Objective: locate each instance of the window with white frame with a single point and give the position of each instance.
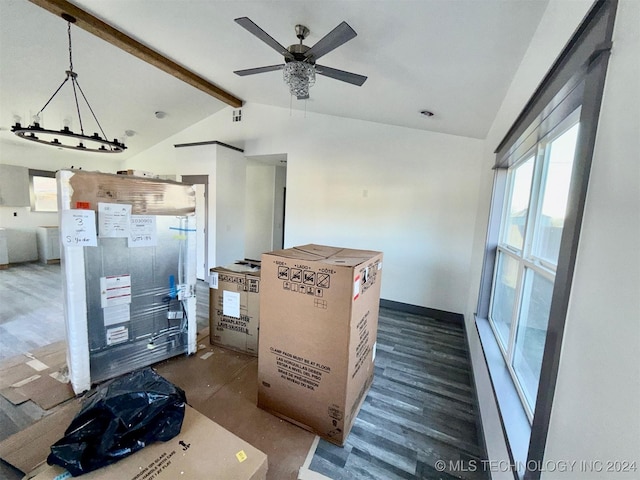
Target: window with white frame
(43, 191)
(535, 204)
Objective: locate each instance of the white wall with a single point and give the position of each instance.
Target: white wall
(595, 414)
(596, 409)
(230, 198)
(260, 197)
(279, 213)
(226, 171)
(409, 193)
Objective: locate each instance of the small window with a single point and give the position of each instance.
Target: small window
(43, 189)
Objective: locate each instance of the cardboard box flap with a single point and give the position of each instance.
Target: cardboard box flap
(319, 250)
(330, 255)
(351, 253)
(347, 261)
(236, 268)
(297, 254)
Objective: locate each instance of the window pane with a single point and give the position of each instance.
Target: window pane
(504, 296)
(532, 332)
(45, 194)
(518, 204)
(555, 194)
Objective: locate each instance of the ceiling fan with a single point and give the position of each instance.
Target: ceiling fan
(300, 64)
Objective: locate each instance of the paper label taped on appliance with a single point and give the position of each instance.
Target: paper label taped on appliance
(143, 231)
(115, 314)
(114, 220)
(231, 304)
(117, 335)
(115, 290)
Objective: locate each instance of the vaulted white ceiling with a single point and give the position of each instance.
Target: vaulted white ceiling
(455, 58)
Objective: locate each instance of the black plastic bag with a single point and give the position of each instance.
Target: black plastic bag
(118, 419)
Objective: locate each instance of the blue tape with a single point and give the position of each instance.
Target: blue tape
(173, 293)
(182, 229)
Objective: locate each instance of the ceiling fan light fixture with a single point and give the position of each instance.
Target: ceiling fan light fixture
(299, 76)
(300, 67)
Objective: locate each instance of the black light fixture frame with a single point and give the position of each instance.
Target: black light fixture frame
(94, 143)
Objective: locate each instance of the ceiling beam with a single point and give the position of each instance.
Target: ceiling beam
(97, 27)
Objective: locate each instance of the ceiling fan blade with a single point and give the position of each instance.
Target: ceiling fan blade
(341, 75)
(253, 71)
(332, 40)
(262, 35)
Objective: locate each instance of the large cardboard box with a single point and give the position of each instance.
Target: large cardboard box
(202, 449)
(318, 325)
(234, 307)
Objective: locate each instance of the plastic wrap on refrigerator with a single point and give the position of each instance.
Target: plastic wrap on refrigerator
(128, 262)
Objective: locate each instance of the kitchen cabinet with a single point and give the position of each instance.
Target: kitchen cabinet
(14, 186)
(4, 253)
(48, 244)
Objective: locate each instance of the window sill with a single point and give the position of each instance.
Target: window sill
(514, 419)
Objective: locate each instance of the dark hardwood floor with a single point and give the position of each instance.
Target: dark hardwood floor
(418, 420)
(419, 412)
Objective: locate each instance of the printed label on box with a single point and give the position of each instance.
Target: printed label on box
(231, 304)
(356, 287)
(299, 370)
(363, 349)
(306, 282)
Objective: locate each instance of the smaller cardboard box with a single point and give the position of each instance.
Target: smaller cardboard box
(136, 173)
(234, 307)
(202, 449)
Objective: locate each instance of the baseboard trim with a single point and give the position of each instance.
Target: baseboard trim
(436, 314)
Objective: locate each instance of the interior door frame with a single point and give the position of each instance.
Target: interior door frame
(202, 180)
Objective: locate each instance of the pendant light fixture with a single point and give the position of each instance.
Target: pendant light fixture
(65, 138)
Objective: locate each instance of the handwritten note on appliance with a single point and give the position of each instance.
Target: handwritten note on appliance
(78, 228)
(142, 232)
